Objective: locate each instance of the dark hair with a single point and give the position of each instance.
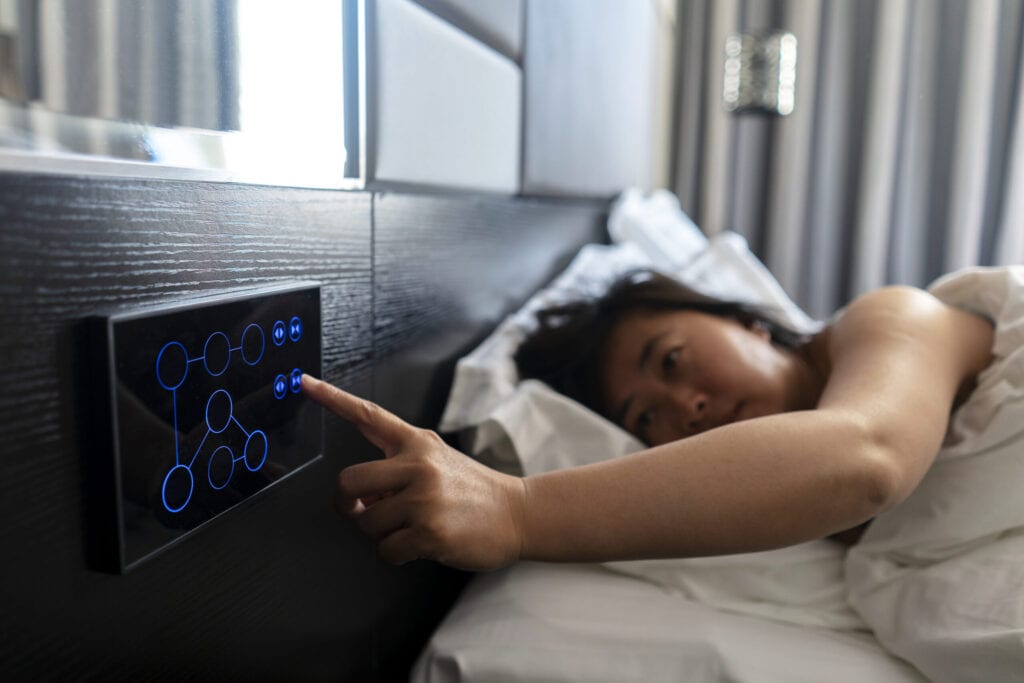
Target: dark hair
(566, 349)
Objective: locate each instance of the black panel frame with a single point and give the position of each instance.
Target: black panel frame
(102, 356)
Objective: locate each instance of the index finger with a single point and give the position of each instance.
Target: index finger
(384, 430)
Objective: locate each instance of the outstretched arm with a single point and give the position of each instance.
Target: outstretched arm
(898, 359)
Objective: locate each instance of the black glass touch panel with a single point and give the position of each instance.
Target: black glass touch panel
(208, 409)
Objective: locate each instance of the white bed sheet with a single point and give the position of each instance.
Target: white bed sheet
(550, 622)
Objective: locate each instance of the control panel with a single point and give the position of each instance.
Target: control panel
(206, 408)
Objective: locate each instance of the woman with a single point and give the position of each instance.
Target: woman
(759, 439)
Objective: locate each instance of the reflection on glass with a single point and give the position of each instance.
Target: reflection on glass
(255, 90)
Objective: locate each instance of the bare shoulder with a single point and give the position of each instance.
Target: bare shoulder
(900, 360)
(906, 303)
(913, 321)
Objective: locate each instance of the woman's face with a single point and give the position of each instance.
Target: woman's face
(672, 374)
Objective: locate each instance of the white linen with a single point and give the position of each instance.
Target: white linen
(535, 622)
(940, 578)
(801, 584)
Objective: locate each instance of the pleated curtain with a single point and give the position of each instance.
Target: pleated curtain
(903, 158)
(163, 62)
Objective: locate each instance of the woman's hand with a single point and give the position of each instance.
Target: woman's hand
(424, 499)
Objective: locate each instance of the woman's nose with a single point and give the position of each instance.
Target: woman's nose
(693, 405)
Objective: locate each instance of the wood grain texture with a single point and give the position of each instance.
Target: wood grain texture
(259, 593)
(447, 270)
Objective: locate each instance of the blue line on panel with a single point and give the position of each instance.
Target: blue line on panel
(198, 450)
(174, 400)
(233, 419)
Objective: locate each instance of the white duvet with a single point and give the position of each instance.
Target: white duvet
(939, 580)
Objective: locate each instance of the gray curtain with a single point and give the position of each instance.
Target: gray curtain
(163, 62)
(902, 160)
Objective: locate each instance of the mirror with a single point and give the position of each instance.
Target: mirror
(230, 90)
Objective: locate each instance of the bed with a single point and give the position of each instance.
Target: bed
(536, 622)
(935, 590)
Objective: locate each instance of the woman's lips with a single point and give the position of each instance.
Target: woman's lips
(728, 418)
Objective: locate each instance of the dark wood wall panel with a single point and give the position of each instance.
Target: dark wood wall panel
(257, 593)
(447, 270)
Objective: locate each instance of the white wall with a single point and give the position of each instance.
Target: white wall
(550, 97)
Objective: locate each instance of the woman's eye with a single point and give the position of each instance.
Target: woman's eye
(671, 360)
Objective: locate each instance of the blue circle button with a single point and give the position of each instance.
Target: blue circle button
(296, 380)
(278, 333)
(280, 386)
(256, 446)
(219, 409)
(295, 329)
(221, 468)
(217, 353)
(172, 365)
(252, 344)
(177, 489)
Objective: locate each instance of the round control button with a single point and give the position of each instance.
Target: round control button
(280, 386)
(255, 453)
(177, 489)
(295, 329)
(219, 408)
(295, 380)
(278, 335)
(172, 365)
(217, 353)
(220, 468)
(252, 344)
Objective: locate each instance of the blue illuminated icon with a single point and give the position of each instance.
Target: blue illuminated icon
(179, 482)
(295, 329)
(278, 334)
(172, 363)
(177, 489)
(255, 453)
(296, 380)
(221, 468)
(252, 344)
(218, 411)
(280, 386)
(217, 353)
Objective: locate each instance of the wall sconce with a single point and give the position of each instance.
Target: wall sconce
(760, 73)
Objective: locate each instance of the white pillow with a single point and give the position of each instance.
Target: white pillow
(527, 427)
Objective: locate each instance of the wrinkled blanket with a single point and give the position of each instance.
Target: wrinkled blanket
(940, 578)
